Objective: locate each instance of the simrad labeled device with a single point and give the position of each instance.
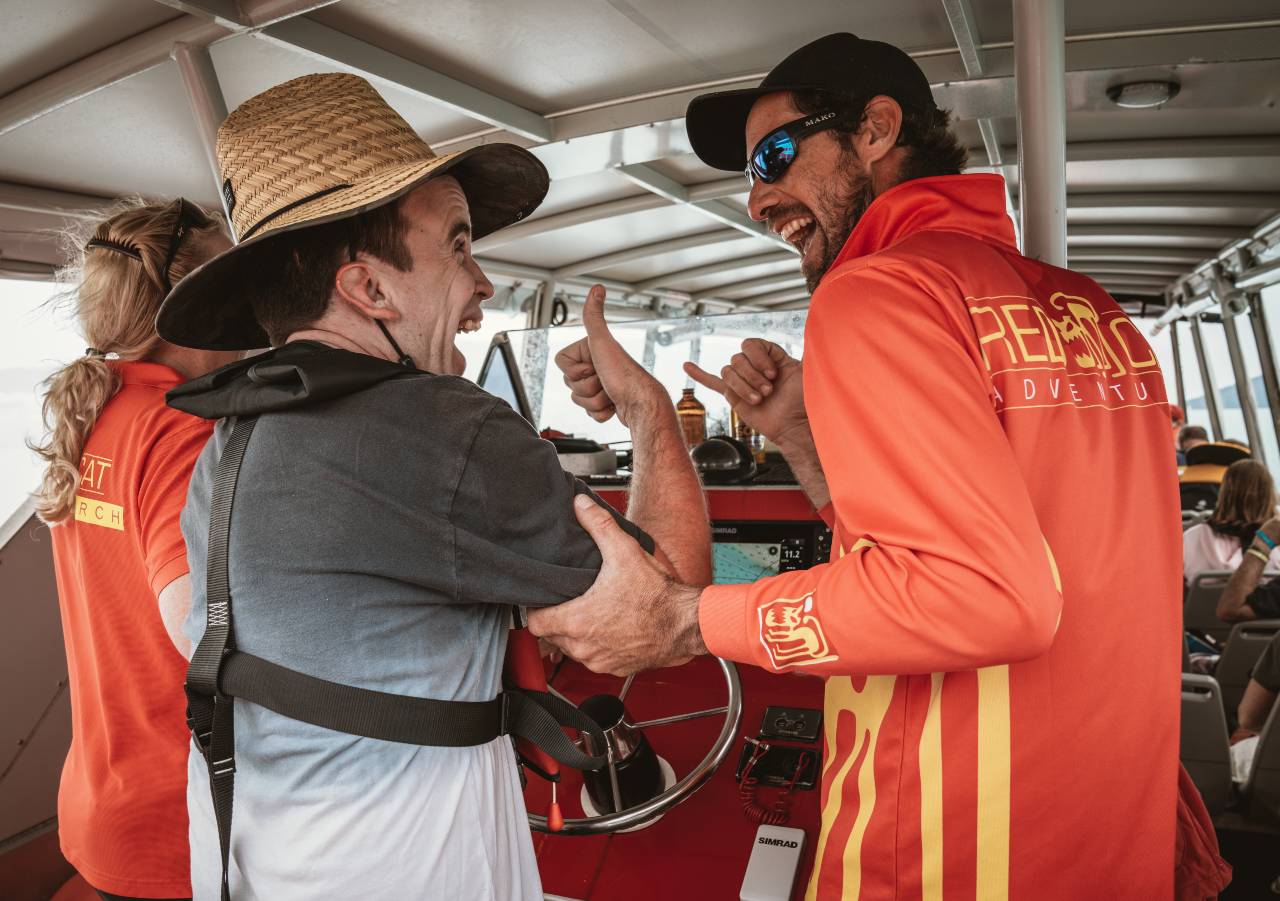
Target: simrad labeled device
(771, 870)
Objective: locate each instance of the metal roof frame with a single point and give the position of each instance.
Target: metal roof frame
(629, 134)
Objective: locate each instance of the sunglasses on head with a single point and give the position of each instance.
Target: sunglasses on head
(776, 151)
(187, 217)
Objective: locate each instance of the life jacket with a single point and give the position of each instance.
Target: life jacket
(297, 375)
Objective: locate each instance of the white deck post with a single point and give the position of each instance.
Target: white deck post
(208, 107)
(1039, 61)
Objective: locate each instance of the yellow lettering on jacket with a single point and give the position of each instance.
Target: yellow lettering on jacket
(1065, 350)
(99, 513)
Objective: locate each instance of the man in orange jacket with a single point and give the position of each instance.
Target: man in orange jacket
(988, 437)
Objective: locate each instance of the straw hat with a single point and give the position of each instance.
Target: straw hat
(317, 149)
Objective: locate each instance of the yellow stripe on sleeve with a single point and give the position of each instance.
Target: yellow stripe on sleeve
(931, 856)
(993, 783)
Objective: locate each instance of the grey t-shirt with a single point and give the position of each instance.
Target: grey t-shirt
(377, 540)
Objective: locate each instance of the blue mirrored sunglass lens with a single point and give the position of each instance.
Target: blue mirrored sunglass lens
(773, 156)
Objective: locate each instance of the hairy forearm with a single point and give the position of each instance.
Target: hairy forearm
(666, 495)
(801, 455)
(1231, 604)
(1255, 706)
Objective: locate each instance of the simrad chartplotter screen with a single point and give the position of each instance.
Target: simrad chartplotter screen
(746, 551)
(740, 563)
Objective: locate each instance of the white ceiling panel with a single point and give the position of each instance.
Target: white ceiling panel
(1172, 215)
(741, 274)
(1222, 174)
(248, 65)
(559, 54)
(994, 18)
(1175, 123)
(31, 237)
(585, 190)
(629, 61)
(39, 37)
(653, 267)
(134, 137)
(593, 239)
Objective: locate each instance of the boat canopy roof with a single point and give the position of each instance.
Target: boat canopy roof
(121, 97)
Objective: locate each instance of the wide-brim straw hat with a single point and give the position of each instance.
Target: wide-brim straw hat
(314, 150)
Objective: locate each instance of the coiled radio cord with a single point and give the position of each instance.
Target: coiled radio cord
(780, 812)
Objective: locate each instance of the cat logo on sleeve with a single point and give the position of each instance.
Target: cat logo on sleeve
(91, 504)
(791, 633)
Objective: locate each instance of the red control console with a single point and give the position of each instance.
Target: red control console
(698, 849)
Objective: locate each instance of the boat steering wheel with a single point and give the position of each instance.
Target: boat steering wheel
(642, 814)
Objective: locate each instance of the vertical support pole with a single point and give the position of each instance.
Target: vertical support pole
(1206, 380)
(649, 357)
(969, 43)
(540, 315)
(1244, 391)
(1039, 63)
(1267, 360)
(208, 107)
(1178, 383)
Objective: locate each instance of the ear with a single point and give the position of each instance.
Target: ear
(881, 125)
(361, 286)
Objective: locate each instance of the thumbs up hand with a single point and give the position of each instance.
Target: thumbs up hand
(764, 385)
(602, 376)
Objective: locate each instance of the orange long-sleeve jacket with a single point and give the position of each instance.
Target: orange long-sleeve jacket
(999, 622)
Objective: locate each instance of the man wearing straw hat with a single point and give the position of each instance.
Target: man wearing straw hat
(387, 515)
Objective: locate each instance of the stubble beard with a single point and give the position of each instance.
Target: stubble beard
(838, 210)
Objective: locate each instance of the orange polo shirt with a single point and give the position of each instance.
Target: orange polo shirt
(122, 805)
(999, 623)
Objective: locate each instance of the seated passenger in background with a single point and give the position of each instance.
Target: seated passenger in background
(1246, 499)
(1256, 705)
(1244, 598)
(1190, 436)
(1207, 463)
(389, 514)
(1260, 693)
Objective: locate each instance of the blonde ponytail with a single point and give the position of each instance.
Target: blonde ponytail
(118, 281)
(73, 399)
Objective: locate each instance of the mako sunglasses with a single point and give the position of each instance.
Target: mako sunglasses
(776, 151)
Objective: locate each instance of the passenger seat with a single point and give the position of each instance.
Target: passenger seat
(1203, 748)
(1244, 647)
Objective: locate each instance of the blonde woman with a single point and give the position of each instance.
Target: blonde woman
(118, 463)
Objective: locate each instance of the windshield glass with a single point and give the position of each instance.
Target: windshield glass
(35, 339)
(662, 346)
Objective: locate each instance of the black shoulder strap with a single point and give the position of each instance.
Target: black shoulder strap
(218, 674)
(210, 713)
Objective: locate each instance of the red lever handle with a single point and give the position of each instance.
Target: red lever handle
(524, 670)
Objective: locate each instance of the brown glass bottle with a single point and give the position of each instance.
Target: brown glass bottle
(693, 419)
(747, 435)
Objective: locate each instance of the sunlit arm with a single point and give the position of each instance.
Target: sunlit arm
(175, 604)
(802, 456)
(1255, 706)
(1232, 606)
(666, 495)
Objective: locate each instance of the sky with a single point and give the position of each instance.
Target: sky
(35, 339)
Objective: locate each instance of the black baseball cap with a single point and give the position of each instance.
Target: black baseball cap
(840, 63)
